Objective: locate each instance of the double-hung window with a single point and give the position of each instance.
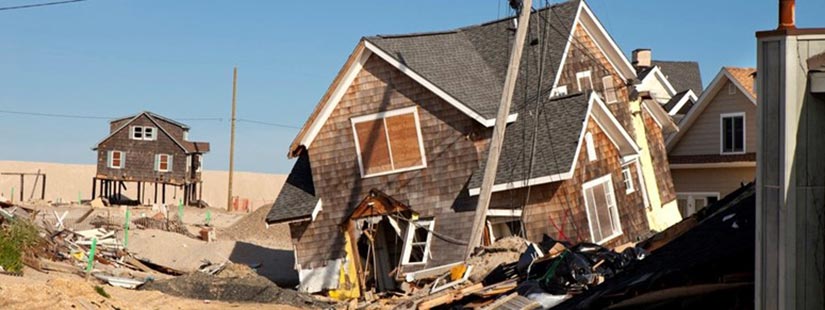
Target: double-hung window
(628, 180)
(163, 162)
(115, 160)
(417, 244)
(609, 90)
(602, 214)
(389, 142)
(732, 133)
(142, 133)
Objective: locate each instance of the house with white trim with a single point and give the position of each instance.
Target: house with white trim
(389, 164)
(675, 85)
(714, 152)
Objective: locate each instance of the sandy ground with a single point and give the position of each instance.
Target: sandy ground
(64, 182)
(61, 291)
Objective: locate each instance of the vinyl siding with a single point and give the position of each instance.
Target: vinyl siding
(703, 136)
(721, 180)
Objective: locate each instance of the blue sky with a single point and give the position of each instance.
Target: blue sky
(114, 58)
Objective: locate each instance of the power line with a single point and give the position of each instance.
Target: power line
(268, 123)
(56, 115)
(37, 5)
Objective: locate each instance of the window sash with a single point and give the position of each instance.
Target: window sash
(628, 181)
(602, 211)
(411, 242)
(733, 134)
(609, 90)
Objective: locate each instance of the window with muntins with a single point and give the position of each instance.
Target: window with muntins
(602, 214)
(389, 142)
(628, 180)
(417, 244)
(142, 133)
(733, 133)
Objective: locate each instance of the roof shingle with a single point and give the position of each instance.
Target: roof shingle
(297, 198)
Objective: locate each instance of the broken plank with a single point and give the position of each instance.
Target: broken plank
(451, 296)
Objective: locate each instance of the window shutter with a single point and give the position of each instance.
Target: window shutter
(122, 159)
(169, 163)
(157, 162)
(109, 159)
(132, 132)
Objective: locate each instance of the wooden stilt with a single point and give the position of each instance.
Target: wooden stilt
(163, 198)
(94, 187)
(43, 190)
(156, 192)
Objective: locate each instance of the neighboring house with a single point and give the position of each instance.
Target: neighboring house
(674, 84)
(714, 152)
(148, 149)
(390, 162)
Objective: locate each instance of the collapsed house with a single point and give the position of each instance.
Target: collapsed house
(390, 162)
(148, 149)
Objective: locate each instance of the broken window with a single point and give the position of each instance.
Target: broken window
(628, 181)
(417, 244)
(733, 133)
(602, 214)
(609, 91)
(163, 162)
(389, 142)
(115, 159)
(591, 147)
(584, 81)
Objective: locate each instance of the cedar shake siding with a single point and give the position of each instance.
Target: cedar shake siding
(658, 151)
(584, 55)
(139, 156)
(434, 191)
(560, 206)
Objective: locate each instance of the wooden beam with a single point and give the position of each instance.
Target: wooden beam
(232, 140)
(498, 131)
(94, 187)
(43, 189)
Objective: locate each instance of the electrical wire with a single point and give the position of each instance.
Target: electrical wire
(27, 6)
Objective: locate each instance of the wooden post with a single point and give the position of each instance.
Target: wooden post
(43, 190)
(94, 187)
(163, 195)
(22, 189)
(232, 140)
(156, 192)
(498, 131)
(138, 193)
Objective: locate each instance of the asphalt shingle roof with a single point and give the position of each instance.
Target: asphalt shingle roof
(674, 100)
(297, 197)
(683, 75)
(560, 122)
(470, 63)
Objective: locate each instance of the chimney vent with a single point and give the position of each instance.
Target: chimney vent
(787, 14)
(641, 58)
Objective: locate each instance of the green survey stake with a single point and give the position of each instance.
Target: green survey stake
(91, 256)
(180, 210)
(208, 217)
(126, 229)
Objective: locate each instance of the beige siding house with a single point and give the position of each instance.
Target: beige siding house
(714, 151)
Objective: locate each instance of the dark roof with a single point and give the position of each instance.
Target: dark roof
(560, 122)
(688, 260)
(297, 197)
(157, 116)
(195, 147)
(675, 100)
(470, 63)
(711, 158)
(683, 75)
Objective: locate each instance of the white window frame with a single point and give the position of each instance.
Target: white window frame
(143, 130)
(383, 116)
(608, 180)
(189, 162)
(559, 91)
(429, 225)
(611, 90)
(583, 74)
(722, 118)
(627, 177)
(169, 161)
(591, 147)
(110, 159)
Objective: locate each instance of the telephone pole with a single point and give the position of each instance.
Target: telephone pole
(498, 131)
(232, 139)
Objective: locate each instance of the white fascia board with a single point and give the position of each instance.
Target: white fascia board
(736, 164)
(624, 67)
(707, 95)
(435, 89)
(660, 116)
(657, 71)
(318, 207)
(504, 212)
(611, 126)
(531, 182)
(570, 39)
(681, 103)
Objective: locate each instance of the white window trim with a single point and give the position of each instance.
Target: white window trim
(154, 133)
(559, 91)
(429, 225)
(384, 115)
(722, 133)
(110, 160)
(612, 90)
(627, 178)
(168, 163)
(608, 179)
(132, 132)
(591, 147)
(581, 75)
(143, 133)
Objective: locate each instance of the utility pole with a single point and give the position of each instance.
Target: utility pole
(232, 140)
(498, 131)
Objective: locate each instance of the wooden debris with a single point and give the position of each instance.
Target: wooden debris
(451, 296)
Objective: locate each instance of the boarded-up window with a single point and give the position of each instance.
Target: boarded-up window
(116, 159)
(602, 214)
(163, 162)
(389, 142)
(609, 89)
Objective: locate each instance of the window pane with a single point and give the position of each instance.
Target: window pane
(372, 140)
(416, 254)
(738, 134)
(593, 214)
(603, 213)
(727, 134)
(420, 233)
(404, 141)
(164, 162)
